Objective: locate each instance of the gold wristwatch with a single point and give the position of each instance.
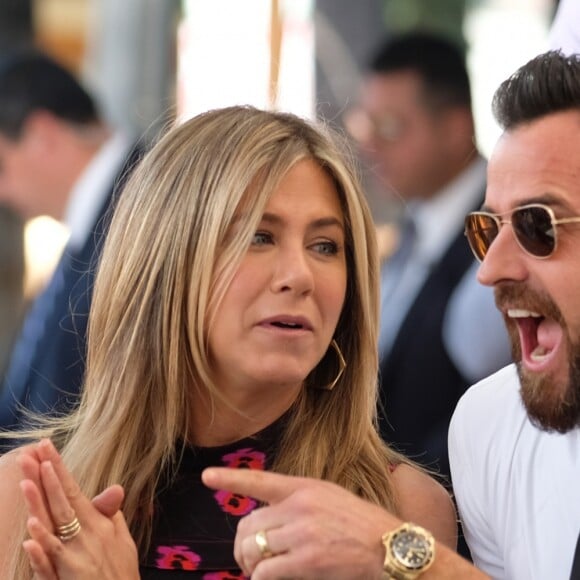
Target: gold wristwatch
(410, 550)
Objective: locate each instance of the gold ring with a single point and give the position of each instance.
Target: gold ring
(68, 531)
(263, 545)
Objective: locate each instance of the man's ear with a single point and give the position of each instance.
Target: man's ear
(459, 125)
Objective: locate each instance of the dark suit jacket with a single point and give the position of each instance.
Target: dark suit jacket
(419, 383)
(575, 574)
(48, 362)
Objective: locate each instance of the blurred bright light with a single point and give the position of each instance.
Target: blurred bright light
(502, 35)
(44, 240)
(224, 50)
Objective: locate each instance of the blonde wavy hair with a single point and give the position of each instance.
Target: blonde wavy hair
(166, 264)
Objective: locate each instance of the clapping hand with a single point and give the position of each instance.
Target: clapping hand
(72, 537)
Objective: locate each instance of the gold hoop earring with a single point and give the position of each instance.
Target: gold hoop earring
(341, 364)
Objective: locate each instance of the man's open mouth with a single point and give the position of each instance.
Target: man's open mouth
(540, 337)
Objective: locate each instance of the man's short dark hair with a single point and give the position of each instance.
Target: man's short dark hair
(439, 63)
(549, 83)
(30, 82)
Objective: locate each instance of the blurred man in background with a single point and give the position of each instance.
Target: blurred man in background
(440, 330)
(57, 158)
(11, 281)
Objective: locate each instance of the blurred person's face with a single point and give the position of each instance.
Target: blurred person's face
(404, 144)
(21, 182)
(281, 309)
(36, 172)
(539, 297)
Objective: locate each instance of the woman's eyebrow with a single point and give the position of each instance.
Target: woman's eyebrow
(317, 223)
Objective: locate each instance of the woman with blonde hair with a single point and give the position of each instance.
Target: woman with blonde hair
(234, 323)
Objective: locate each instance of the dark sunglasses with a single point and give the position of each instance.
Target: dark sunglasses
(534, 227)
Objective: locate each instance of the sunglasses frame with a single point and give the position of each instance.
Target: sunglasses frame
(500, 220)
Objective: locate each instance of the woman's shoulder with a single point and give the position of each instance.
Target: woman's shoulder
(10, 476)
(10, 470)
(11, 500)
(424, 501)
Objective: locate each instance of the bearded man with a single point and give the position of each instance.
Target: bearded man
(514, 439)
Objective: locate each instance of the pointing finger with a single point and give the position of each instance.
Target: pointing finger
(265, 486)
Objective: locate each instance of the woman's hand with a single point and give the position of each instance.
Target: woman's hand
(103, 548)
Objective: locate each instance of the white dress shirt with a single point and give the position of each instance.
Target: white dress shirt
(93, 186)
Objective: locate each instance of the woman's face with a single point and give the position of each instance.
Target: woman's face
(280, 311)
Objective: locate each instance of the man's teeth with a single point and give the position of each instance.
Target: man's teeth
(521, 313)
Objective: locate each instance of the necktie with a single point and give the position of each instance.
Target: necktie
(395, 265)
(393, 293)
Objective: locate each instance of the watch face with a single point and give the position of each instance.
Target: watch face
(411, 549)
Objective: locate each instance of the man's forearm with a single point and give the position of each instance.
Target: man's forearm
(451, 566)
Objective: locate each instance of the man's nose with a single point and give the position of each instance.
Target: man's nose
(505, 260)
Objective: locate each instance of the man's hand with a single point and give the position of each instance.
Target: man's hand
(317, 530)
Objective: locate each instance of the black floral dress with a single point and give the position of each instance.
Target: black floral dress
(194, 526)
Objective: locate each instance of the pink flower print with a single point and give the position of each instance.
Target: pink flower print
(177, 558)
(245, 458)
(234, 503)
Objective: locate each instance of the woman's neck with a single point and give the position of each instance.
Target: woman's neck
(223, 423)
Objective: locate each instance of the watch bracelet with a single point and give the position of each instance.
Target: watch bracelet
(396, 570)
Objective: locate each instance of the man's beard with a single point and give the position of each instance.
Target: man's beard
(550, 406)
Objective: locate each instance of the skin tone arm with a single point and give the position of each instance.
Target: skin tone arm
(318, 530)
(40, 484)
(11, 506)
(423, 501)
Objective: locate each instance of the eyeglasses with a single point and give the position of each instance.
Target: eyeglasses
(362, 127)
(534, 227)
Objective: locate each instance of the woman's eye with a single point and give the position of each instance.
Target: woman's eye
(327, 248)
(261, 238)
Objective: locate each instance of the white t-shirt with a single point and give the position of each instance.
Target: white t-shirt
(517, 487)
(93, 187)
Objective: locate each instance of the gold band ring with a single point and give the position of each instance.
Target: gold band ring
(68, 531)
(263, 545)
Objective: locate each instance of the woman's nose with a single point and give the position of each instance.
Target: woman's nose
(293, 272)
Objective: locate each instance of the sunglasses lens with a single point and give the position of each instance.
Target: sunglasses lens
(534, 230)
(480, 229)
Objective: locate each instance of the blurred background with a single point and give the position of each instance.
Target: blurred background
(150, 62)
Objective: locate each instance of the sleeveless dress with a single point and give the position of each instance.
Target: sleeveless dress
(194, 526)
